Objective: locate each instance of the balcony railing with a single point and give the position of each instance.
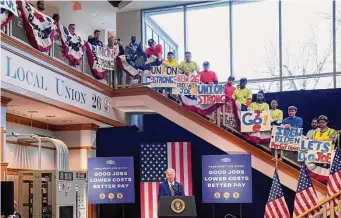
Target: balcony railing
(16, 30)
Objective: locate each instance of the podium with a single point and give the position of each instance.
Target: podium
(177, 206)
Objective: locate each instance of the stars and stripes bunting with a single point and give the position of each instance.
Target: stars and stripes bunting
(276, 206)
(155, 158)
(334, 182)
(306, 197)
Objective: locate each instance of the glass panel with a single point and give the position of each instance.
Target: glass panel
(156, 37)
(338, 81)
(265, 86)
(255, 39)
(308, 84)
(149, 33)
(307, 37)
(169, 24)
(338, 36)
(208, 36)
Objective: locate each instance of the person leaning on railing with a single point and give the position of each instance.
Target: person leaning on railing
(229, 88)
(324, 133)
(243, 95)
(188, 66)
(276, 114)
(260, 104)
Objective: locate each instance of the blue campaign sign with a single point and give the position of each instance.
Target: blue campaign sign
(111, 180)
(226, 178)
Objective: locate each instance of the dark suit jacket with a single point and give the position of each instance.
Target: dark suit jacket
(164, 189)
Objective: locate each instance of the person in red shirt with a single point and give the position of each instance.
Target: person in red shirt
(207, 76)
(229, 88)
(153, 49)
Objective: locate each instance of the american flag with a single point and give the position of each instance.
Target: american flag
(155, 159)
(305, 194)
(276, 207)
(334, 182)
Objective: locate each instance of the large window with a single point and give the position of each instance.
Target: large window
(255, 39)
(168, 29)
(276, 45)
(338, 36)
(307, 37)
(208, 36)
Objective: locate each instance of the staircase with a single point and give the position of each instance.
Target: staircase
(143, 99)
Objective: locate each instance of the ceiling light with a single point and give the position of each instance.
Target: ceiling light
(67, 121)
(94, 14)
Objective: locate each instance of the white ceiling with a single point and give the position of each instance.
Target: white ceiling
(21, 106)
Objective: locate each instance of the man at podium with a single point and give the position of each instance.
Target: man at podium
(170, 187)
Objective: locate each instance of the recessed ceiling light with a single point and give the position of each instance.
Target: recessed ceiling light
(32, 112)
(50, 116)
(67, 121)
(94, 14)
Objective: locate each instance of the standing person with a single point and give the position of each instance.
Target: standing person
(170, 187)
(133, 45)
(207, 76)
(229, 88)
(72, 29)
(292, 120)
(276, 114)
(243, 95)
(324, 133)
(41, 6)
(171, 62)
(154, 49)
(95, 39)
(188, 66)
(260, 104)
(314, 126)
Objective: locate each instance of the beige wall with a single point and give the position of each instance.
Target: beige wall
(128, 24)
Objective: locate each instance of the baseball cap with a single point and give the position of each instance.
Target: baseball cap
(206, 63)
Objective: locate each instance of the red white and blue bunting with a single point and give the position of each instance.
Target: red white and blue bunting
(73, 46)
(39, 27)
(5, 16)
(97, 70)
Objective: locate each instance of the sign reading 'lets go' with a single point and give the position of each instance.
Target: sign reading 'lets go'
(252, 121)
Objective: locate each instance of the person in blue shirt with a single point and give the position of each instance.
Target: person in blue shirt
(292, 120)
(94, 40)
(170, 187)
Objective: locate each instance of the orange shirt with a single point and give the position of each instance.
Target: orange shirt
(207, 77)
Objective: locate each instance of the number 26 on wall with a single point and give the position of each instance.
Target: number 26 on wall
(96, 102)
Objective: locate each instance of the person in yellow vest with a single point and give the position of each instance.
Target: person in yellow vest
(243, 95)
(324, 133)
(260, 104)
(276, 114)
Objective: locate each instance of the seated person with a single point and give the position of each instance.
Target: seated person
(188, 66)
(260, 104)
(324, 133)
(229, 88)
(292, 120)
(207, 76)
(94, 40)
(171, 62)
(243, 95)
(276, 114)
(154, 49)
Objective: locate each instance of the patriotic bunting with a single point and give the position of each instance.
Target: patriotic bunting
(73, 45)
(39, 27)
(97, 70)
(5, 16)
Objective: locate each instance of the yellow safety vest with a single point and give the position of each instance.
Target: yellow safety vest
(325, 136)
